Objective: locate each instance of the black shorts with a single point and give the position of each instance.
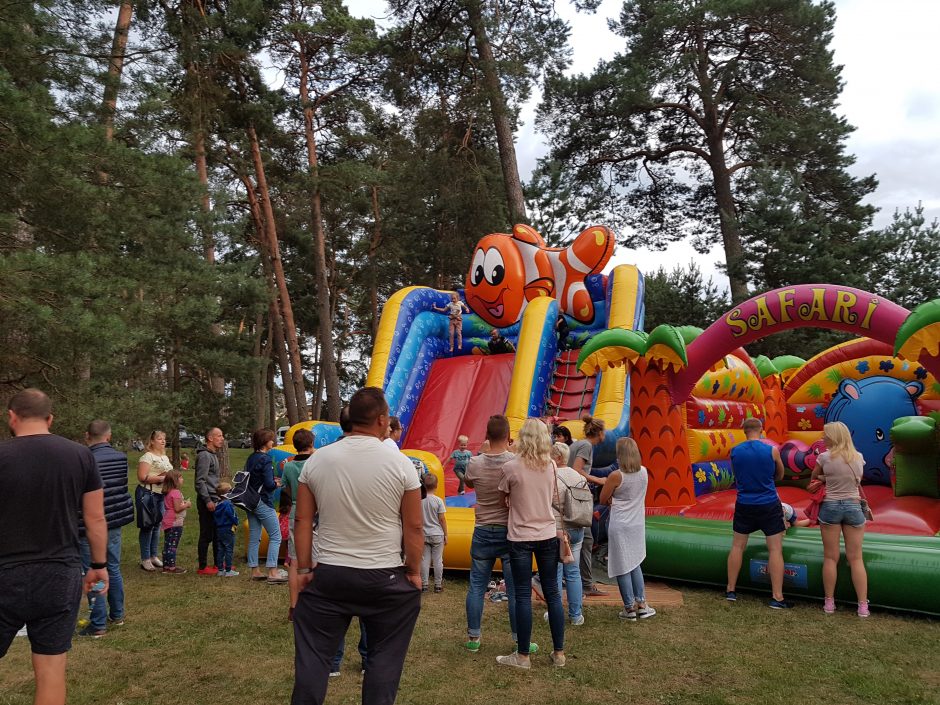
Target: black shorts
(768, 518)
(46, 598)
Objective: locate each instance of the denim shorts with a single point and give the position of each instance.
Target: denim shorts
(841, 511)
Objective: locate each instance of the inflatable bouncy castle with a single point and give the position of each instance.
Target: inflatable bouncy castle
(691, 395)
(578, 346)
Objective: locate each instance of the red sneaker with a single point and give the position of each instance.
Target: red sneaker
(208, 570)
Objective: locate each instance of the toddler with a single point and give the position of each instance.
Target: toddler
(790, 516)
(174, 515)
(461, 457)
(226, 526)
(454, 311)
(435, 535)
(184, 462)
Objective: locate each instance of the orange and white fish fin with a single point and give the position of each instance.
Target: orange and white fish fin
(592, 249)
(527, 234)
(582, 308)
(539, 287)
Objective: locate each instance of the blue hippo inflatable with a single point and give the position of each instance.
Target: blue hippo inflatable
(869, 407)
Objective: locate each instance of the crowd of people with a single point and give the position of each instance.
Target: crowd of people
(372, 529)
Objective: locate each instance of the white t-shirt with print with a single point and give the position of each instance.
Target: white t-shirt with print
(358, 483)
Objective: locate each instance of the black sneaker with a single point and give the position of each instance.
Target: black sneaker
(779, 604)
(731, 596)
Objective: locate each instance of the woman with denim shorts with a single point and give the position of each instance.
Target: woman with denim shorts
(840, 467)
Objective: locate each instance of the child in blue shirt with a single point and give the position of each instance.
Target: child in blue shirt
(461, 458)
(226, 524)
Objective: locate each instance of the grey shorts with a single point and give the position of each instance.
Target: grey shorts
(46, 598)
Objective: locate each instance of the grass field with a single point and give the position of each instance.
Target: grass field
(198, 640)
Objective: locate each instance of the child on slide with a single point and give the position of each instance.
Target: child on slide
(454, 310)
(461, 457)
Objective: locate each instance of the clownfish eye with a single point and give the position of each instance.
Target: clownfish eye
(493, 268)
(476, 268)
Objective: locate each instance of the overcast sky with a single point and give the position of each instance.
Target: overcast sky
(888, 51)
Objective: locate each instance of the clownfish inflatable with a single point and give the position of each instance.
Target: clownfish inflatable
(508, 271)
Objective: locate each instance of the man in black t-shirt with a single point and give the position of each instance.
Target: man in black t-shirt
(46, 484)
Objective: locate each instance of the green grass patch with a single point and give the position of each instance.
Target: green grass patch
(197, 640)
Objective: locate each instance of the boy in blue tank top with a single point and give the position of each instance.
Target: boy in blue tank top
(756, 467)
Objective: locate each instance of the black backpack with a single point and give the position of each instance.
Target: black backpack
(242, 493)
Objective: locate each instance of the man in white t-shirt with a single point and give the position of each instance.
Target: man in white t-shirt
(369, 502)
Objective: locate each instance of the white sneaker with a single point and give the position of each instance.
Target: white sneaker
(156, 562)
(645, 612)
(335, 674)
(577, 621)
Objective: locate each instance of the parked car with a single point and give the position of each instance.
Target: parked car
(241, 441)
(281, 433)
(189, 439)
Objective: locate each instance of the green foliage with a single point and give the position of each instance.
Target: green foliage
(682, 297)
(907, 270)
(670, 128)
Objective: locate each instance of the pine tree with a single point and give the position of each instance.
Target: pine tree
(705, 91)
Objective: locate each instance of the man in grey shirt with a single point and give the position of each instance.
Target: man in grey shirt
(207, 483)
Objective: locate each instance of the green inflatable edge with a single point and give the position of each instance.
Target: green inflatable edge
(903, 571)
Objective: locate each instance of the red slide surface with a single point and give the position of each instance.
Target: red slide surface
(460, 395)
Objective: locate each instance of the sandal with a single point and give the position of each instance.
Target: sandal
(274, 581)
(259, 578)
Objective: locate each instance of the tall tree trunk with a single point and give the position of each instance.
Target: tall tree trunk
(375, 243)
(328, 365)
(274, 314)
(257, 384)
(515, 199)
(115, 68)
(730, 234)
(272, 400)
(295, 375)
(189, 12)
(316, 409)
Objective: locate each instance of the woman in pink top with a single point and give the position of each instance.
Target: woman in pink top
(840, 467)
(529, 485)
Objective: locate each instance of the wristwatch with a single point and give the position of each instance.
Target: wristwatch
(304, 571)
(98, 566)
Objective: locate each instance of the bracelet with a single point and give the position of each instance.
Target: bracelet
(304, 571)
(98, 566)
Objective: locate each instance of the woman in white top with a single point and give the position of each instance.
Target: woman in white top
(528, 481)
(151, 469)
(840, 467)
(625, 491)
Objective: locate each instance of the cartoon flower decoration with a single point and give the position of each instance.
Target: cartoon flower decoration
(804, 424)
(862, 366)
(820, 411)
(920, 373)
(701, 417)
(700, 475)
(886, 365)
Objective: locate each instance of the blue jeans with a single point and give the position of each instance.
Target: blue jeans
(225, 542)
(363, 650)
(572, 573)
(841, 511)
(546, 559)
(115, 599)
(149, 542)
(488, 544)
(263, 516)
(632, 587)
